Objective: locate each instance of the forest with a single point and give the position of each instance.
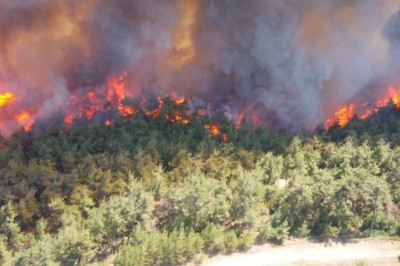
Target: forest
(146, 190)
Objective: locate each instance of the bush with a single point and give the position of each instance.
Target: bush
(6, 257)
(214, 239)
(181, 248)
(38, 253)
(148, 249)
(247, 240)
(132, 255)
(275, 235)
(231, 242)
(73, 244)
(265, 234)
(280, 235)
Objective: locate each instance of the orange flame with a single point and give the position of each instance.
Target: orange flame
(88, 101)
(125, 110)
(69, 119)
(95, 99)
(395, 96)
(116, 88)
(25, 120)
(178, 100)
(156, 111)
(177, 119)
(344, 114)
(213, 129)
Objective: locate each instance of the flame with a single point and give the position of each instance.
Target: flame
(115, 96)
(69, 119)
(125, 110)
(395, 96)
(94, 100)
(6, 99)
(345, 113)
(177, 119)
(152, 112)
(342, 116)
(116, 88)
(213, 129)
(25, 120)
(178, 100)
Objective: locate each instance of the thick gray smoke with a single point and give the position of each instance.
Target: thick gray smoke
(289, 62)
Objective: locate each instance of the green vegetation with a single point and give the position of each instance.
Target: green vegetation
(151, 192)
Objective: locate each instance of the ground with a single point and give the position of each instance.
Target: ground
(304, 252)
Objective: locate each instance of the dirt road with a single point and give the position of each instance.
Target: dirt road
(304, 252)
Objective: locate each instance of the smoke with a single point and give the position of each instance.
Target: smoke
(392, 34)
(291, 63)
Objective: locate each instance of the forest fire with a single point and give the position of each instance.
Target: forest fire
(88, 58)
(138, 132)
(345, 113)
(117, 97)
(102, 103)
(91, 100)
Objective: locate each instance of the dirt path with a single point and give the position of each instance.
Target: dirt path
(304, 252)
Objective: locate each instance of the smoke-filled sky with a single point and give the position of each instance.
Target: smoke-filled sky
(291, 62)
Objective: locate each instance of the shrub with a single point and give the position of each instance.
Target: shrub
(214, 239)
(246, 241)
(280, 234)
(265, 234)
(148, 249)
(231, 242)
